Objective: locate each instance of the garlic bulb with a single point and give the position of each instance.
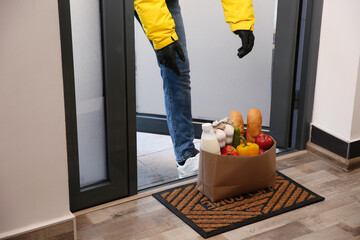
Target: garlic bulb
(229, 130)
(228, 140)
(224, 131)
(220, 135)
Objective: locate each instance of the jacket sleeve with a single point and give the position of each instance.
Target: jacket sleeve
(157, 22)
(239, 14)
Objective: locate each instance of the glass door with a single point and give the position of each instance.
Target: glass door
(98, 71)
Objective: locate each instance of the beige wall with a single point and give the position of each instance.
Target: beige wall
(337, 91)
(33, 158)
(355, 129)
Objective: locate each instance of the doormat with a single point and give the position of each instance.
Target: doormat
(211, 218)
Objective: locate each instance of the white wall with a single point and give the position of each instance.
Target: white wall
(355, 128)
(33, 166)
(220, 81)
(337, 91)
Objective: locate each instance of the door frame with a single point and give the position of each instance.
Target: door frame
(284, 70)
(117, 23)
(303, 100)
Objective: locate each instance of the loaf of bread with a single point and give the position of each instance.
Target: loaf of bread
(238, 120)
(254, 122)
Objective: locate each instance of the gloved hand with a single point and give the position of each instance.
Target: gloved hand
(247, 39)
(167, 56)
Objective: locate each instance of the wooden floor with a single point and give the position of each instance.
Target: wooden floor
(338, 217)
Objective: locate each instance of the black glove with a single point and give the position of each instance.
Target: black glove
(247, 39)
(167, 56)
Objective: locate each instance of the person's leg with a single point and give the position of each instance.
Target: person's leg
(177, 92)
(178, 102)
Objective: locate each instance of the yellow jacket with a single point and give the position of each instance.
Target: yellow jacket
(159, 25)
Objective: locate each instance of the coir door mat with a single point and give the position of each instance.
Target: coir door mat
(211, 218)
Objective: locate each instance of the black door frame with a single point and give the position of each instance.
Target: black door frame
(304, 90)
(117, 21)
(283, 70)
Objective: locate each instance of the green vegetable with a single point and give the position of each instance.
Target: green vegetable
(236, 138)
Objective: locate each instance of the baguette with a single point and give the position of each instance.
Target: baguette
(254, 122)
(238, 121)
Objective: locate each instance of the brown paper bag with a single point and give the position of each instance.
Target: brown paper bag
(223, 176)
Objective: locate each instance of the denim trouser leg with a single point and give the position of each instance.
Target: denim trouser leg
(177, 94)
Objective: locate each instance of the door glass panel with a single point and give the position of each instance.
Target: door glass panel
(90, 110)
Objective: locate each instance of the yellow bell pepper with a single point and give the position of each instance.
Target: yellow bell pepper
(247, 149)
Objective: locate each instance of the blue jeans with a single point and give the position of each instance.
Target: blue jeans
(177, 92)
